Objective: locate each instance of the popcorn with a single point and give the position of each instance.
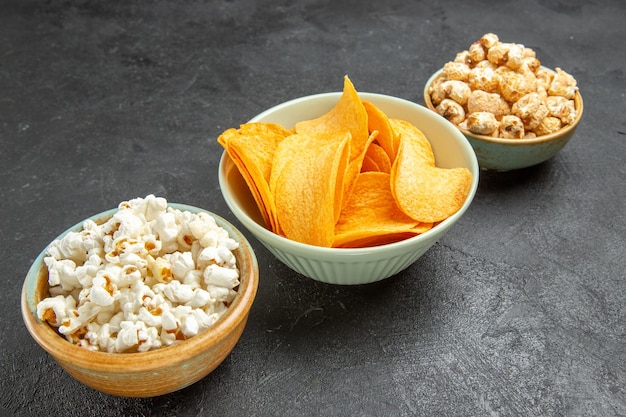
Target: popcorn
(166, 229)
(148, 277)
(514, 85)
(203, 319)
(221, 276)
(178, 293)
(74, 326)
(102, 291)
(483, 78)
(169, 321)
(463, 57)
(149, 318)
(62, 272)
(548, 125)
(200, 298)
(563, 84)
(55, 309)
(70, 247)
(488, 40)
(504, 79)
(222, 294)
(129, 274)
(193, 278)
(482, 123)
(531, 110)
(508, 54)
(562, 108)
(190, 326)
(477, 52)
(458, 71)
(511, 127)
(127, 337)
(482, 101)
(182, 263)
(456, 90)
(162, 270)
(451, 110)
(544, 77)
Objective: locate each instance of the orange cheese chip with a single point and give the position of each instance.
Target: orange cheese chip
(377, 120)
(421, 145)
(423, 191)
(348, 115)
(376, 159)
(252, 147)
(372, 212)
(305, 186)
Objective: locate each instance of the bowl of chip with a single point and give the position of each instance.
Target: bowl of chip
(372, 239)
(515, 112)
(126, 302)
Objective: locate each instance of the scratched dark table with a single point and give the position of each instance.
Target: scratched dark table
(518, 310)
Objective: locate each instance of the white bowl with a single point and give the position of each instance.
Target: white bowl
(351, 266)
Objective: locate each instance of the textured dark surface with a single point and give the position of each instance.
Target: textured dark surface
(519, 310)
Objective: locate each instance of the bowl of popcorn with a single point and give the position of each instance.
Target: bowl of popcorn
(514, 112)
(347, 188)
(141, 300)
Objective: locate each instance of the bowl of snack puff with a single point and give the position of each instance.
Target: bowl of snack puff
(345, 187)
(141, 300)
(515, 112)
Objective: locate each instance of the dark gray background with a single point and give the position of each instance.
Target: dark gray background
(519, 310)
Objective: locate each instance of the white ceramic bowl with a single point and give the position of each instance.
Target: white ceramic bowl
(159, 371)
(498, 154)
(354, 265)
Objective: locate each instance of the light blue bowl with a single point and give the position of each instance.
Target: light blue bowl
(498, 154)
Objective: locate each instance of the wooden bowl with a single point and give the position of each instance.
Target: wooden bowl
(156, 372)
